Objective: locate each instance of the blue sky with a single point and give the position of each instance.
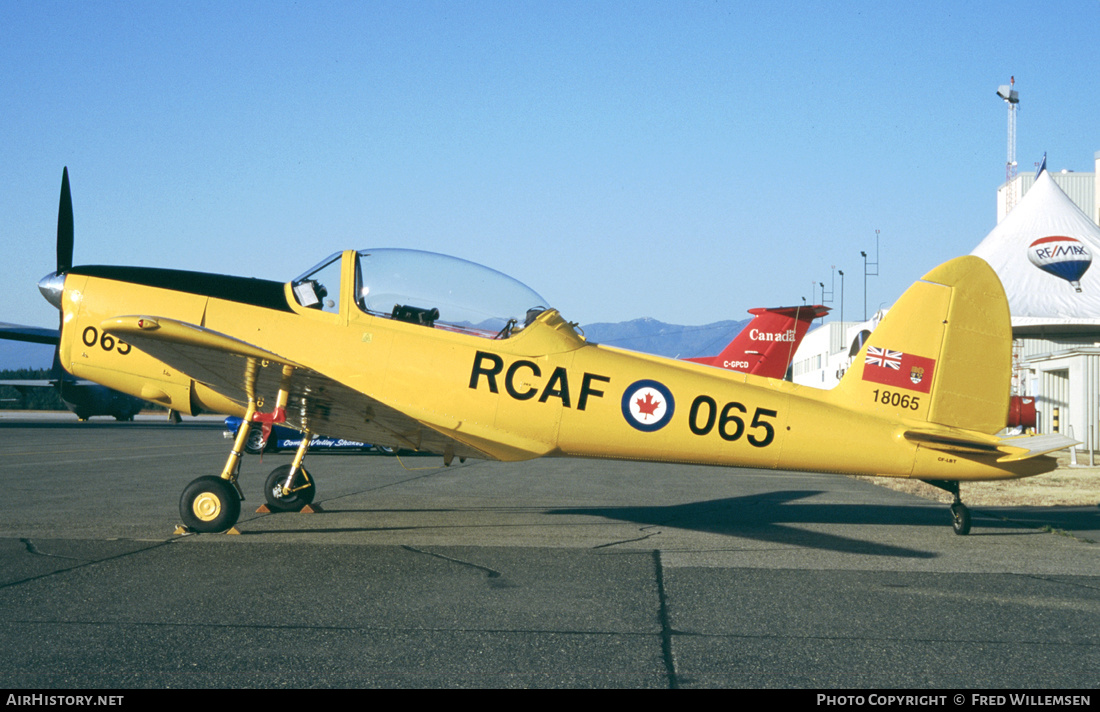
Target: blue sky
(679, 160)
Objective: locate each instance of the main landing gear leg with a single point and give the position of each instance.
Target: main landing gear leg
(213, 504)
(960, 515)
(289, 487)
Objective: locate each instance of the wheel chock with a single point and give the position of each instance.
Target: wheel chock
(308, 509)
(183, 530)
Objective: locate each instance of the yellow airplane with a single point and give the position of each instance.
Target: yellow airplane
(423, 352)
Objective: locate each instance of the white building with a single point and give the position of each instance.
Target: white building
(1082, 188)
(1042, 251)
(826, 352)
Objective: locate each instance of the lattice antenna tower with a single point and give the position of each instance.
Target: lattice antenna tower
(1012, 98)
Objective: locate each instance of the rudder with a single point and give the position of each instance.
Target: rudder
(942, 354)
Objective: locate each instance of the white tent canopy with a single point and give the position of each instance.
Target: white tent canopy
(1043, 251)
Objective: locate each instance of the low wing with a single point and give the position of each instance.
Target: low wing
(317, 403)
(1010, 449)
(30, 334)
(47, 382)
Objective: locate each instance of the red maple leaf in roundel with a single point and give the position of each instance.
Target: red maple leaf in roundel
(647, 406)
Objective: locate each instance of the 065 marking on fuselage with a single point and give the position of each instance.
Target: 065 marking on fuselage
(704, 416)
(91, 336)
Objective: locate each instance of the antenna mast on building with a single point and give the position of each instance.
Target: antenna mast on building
(1012, 98)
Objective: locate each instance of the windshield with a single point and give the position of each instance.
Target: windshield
(426, 288)
(433, 289)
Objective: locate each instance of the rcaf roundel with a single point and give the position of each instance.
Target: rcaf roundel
(648, 405)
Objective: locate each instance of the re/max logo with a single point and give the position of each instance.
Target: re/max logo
(1061, 251)
(487, 367)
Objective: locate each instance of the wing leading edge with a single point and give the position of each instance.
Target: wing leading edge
(237, 370)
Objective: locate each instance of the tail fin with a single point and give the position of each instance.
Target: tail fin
(767, 343)
(942, 354)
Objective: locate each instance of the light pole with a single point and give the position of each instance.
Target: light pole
(864, 254)
(867, 272)
(841, 273)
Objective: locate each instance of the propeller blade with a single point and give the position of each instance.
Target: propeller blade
(65, 225)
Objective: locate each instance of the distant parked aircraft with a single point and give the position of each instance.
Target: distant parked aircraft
(767, 344)
(83, 397)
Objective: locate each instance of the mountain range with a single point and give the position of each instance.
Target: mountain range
(672, 340)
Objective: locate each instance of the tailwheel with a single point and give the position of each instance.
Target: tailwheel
(284, 496)
(210, 504)
(960, 518)
(960, 515)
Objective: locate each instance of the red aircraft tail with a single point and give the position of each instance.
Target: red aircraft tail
(767, 344)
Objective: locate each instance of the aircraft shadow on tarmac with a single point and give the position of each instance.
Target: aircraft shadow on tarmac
(763, 516)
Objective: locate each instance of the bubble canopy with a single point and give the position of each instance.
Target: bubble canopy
(397, 283)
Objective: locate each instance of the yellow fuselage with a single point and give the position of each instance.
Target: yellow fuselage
(543, 391)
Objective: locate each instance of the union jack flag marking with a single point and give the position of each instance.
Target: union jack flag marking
(884, 358)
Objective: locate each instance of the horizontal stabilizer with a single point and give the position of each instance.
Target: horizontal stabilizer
(1025, 446)
(1011, 449)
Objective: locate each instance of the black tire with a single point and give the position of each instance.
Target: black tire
(210, 504)
(255, 444)
(960, 519)
(293, 502)
(386, 449)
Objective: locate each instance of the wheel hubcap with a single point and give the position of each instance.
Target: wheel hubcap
(207, 506)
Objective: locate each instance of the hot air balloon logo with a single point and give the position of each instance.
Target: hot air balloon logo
(1061, 256)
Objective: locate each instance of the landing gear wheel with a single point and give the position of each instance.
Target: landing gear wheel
(386, 449)
(960, 518)
(255, 444)
(279, 502)
(210, 504)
